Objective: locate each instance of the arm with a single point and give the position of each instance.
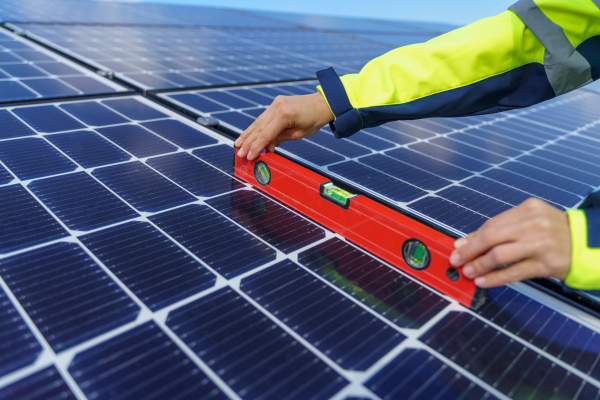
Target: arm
(492, 65)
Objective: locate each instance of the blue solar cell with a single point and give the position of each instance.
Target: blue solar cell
(475, 201)
(266, 362)
(504, 140)
(198, 102)
(47, 119)
(549, 117)
(522, 135)
(5, 176)
(50, 87)
(105, 371)
(57, 68)
(134, 109)
(379, 182)
(350, 337)
(496, 190)
(569, 169)
(481, 350)
(416, 374)
(195, 175)
(221, 156)
(44, 384)
(214, 239)
(582, 144)
(143, 188)
(392, 136)
(485, 144)
(343, 147)
(179, 133)
(18, 347)
(534, 187)
(30, 54)
(24, 221)
(88, 149)
(93, 114)
(428, 164)
(551, 149)
(449, 213)
(436, 126)
(254, 112)
(21, 70)
(311, 152)
(253, 96)
(235, 119)
(12, 127)
(137, 140)
(228, 99)
(463, 149)
(155, 270)
(550, 178)
(13, 91)
(385, 290)
(30, 158)
(413, 130)
(66, 294)
(80, 201)
(6, 57)
(546, 132)
(270, 221)
(458, 160)
(405, 172)
(543, 327)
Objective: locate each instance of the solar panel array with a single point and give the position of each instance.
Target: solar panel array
(134, 265)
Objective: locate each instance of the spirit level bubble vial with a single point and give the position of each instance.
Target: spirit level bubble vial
(415, 248)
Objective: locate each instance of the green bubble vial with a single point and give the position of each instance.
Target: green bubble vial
(416, 254)
(262, 173)
(336, 194)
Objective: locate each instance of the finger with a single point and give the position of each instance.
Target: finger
(240, 140)
(264, 136)
(500, 229)
(527, 269)
(497, 257)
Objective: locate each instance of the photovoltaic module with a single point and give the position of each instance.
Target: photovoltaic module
(135, 264)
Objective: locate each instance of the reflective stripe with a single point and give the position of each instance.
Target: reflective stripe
(566, 69)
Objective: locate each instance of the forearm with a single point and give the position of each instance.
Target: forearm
(492, 65)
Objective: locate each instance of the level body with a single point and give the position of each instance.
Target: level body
(373, 226)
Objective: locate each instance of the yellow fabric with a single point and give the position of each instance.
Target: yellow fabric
(486, 48)
(585, 262)
(579, 24)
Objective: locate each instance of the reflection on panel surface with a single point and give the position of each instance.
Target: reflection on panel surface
(29, 72)
(472, 167)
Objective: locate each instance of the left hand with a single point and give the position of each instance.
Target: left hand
(534, 238)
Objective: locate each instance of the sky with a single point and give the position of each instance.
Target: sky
(457, 12)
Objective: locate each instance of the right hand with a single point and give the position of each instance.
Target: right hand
(287, 118)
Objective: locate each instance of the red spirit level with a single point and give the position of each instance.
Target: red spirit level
(411, 246)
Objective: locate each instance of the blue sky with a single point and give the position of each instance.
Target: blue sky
(458, 12)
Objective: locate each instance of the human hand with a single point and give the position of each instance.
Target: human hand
(534, 238)
(287, 118)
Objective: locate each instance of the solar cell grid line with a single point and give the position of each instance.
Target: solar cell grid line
(29, 72)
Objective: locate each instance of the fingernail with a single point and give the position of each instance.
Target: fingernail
(237, 141)
(460, 242)
(480, 281)
(250, 156)
(454, 259)
(468, 271)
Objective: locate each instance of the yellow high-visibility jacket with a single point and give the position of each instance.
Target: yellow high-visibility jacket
(537, 50)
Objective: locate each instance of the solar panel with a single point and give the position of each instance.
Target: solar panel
(28, 71)
(134, 265)
(92, 12)
(169, 57)
(454, 172)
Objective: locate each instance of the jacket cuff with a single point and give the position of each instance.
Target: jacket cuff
(347, 119)
(585, 259)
